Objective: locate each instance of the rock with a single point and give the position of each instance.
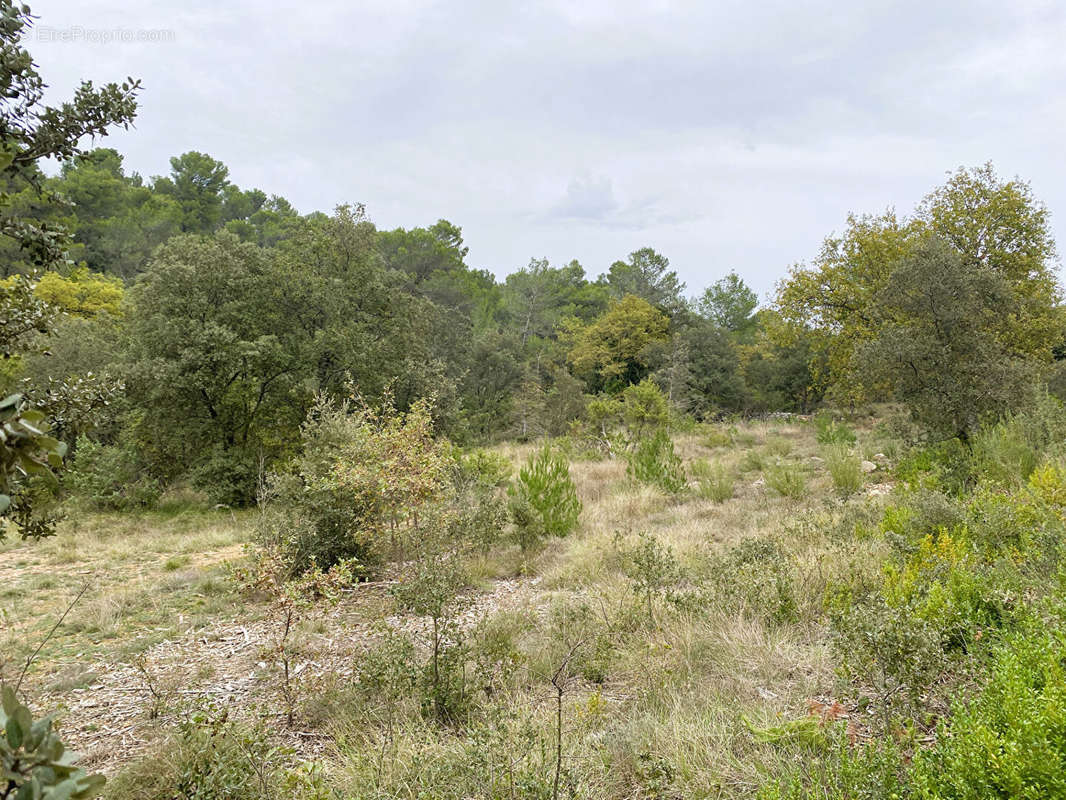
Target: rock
(880, 458)
(761, 482)
(868, 466)
(817, 460)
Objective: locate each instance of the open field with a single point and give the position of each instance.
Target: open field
(161, 626)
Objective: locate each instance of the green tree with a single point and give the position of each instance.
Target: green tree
(613, 350)
(729, 304)
(940, 341)
(990, 222)
(30, 132)
(647, 274)
(198, 183)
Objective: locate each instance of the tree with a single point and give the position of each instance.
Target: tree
(647, 275)
(612, 351)
(729, 304)
(539, 297)
(30, 132)
(988, 222)
(940, 342)
(216, 358)
(198, 183)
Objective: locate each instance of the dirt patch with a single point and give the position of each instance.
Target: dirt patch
(110, 721)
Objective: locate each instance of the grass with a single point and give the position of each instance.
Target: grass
(845, 468)
(146, 576)
(655, 706)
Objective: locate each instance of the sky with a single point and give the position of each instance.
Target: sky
(728, 135)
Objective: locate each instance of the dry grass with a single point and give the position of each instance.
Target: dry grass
(674, 691)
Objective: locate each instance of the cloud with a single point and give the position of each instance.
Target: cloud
(726, 134)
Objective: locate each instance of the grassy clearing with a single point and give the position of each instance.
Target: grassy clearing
(146, 578)
(659, 698)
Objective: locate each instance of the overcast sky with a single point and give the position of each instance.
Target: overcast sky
(726, 135)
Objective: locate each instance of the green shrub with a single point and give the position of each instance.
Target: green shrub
(845, 468)
(653, 461)
(756, 577)
(652, 569)
(111, 476)
(753, 461)
(830, 431)
(544, 498)
(483, 469)
(788, 480)
(713, 481)
(644, 409)
(33, 760)
(207, 758)
(1004, 454)
(1010, 741)
(358, 487)
(717, 436)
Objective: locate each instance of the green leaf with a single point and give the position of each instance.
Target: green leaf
(13, 731)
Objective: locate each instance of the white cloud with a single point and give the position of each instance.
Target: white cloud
(728, 135)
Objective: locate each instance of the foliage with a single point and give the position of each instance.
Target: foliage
(646, 274)
(27, 452)
(33, 759)
(1001, 238)
(360, 483)
(208, 757)
(1011, 740)
(788, 480)
(756, 577)
(939, 341)
(81, 293)
(730, 304)
(544, 498)
(644, 409)
(110, 476)
(653, 461)
(714, 481)
(612, 351)
(431, 587)
(831, 431)
(845, 468)
(652, 569)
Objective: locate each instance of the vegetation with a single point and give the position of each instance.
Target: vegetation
(294, 507)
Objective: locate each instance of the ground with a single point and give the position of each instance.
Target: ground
(159, 619)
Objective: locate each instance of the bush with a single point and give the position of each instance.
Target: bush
(652, 569)
(1010, 742)
(208, 758)
(713, 481)
(111, 477)
(544, 498)
(33, 761)
(755, 577)
(358, 487)
(644, 409)
(788, 480)
(845, 468)
(830, 431)
(654, 462)
(717, 436)
(482, 469)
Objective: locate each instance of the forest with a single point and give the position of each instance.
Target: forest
(293, 506)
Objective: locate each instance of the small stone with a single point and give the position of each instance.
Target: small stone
(817, 460)
(868, 466)
(761, 482)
